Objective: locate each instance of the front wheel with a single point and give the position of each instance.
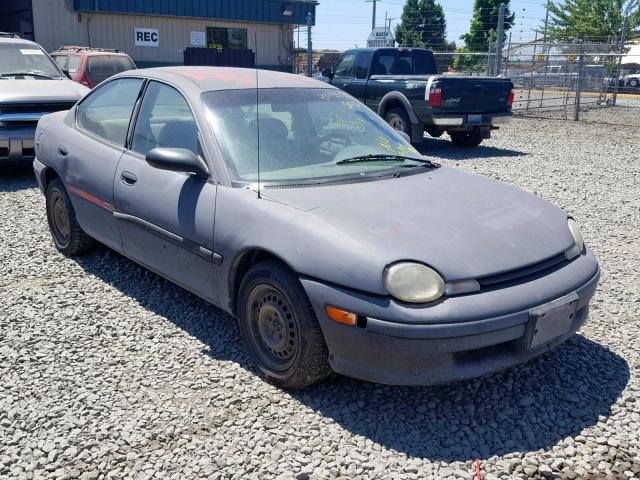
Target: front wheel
(399, 120)
(279, 327)
(67, 235)
(466, 139)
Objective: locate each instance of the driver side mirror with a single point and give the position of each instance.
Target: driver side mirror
(327, 72)
(177, 160)
(66, 73)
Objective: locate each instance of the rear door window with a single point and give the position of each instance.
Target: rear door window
(106, 112)
(364, 59)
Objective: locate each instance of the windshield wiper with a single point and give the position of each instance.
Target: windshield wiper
(26, 74)
(384, 157)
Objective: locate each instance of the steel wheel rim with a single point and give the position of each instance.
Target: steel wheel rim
(60, 218)
(397, 124)
(273, 327)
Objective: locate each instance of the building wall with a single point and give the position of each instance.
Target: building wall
(56, 24)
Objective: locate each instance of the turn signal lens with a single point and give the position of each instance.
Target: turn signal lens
(342, 316)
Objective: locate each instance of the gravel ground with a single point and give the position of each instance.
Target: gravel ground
(108, 371)
(555, 105)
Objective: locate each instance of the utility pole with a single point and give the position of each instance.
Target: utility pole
(373, 18)
(623, 40)
(500, 39)
(309, 46)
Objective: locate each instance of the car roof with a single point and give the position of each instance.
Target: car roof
(227, 78)
(89, 53)
(18, 41)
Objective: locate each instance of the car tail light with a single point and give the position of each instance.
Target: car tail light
(435, 96)
(511, 98)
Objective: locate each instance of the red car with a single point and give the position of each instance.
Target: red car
(90, 66)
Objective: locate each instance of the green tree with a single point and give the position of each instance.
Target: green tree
(592, 20)
(484, 24)
(422, 24)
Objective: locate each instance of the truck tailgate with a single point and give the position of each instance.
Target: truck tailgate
(473, 94)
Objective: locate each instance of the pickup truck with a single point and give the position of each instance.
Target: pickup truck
(31, 85)
(403, 86)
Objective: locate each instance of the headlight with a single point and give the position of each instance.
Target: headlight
(576, 249)
(413, 282)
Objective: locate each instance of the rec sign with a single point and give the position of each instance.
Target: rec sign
(146, 37)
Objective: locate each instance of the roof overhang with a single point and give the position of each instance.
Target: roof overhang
(292, 12)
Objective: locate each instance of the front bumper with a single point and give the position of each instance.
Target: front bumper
(459, 338)
(17, 145)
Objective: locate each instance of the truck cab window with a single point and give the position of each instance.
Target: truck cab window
(346, 66)
(364, 59)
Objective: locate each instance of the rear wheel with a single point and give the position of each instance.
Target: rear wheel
(398, 119)
(466, 139)
(67, 235)
(279, 327)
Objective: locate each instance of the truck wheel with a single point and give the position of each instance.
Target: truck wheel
(279, 327)
(67, 235)
(466, 139)
(399, 120)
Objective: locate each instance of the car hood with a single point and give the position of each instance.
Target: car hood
(463, 225)
(33, 91)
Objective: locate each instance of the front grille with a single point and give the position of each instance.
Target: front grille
(526, 273)
(19, 115)
(35, 107)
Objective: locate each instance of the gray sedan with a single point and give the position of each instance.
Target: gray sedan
(294, 208)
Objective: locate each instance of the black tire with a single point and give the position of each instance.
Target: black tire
(67, 235)
(398, 119)
(279, 327)
(466, 139)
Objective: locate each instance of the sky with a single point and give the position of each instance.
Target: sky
(342, 24)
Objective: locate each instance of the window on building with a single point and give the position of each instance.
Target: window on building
(221, 38)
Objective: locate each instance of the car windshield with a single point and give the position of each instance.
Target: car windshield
(26, 59)
(304, 134)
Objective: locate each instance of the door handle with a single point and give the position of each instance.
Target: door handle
(63, 151)
(128, 178)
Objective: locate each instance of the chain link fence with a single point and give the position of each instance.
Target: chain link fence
(579, 81)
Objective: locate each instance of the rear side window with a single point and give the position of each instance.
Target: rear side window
(364, 59)
(101, 67)
(416, 62)
(165, 120)
(107, 111)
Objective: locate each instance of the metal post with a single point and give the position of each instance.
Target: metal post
(546, 23)
(500, 41)
(489, 69)
(623, 39)
(309, 47)
(576, 115)
(373, 18)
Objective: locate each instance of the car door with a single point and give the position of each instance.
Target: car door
(344, 70)
(358, 85)
(166, 217)
(90, 154)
